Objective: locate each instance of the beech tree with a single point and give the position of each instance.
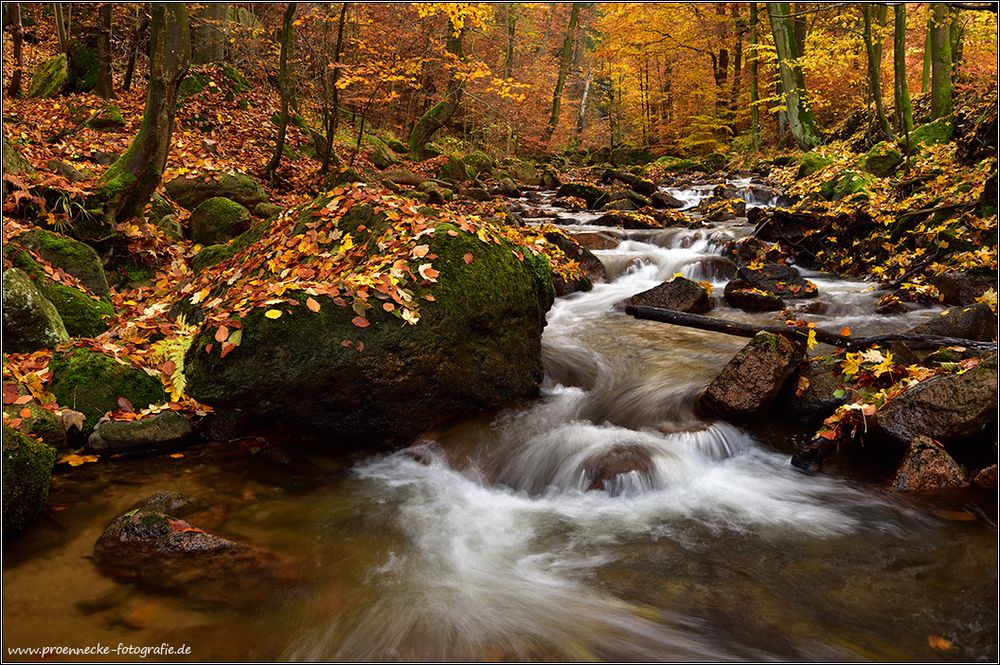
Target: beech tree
(901, 91)
(941, 65)
(565, 55)
(801, 120)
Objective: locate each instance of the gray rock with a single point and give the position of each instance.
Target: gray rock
(817, 400)
(662, 199)
(168, 429)
(678, 294)
(927, 467)
(977, 322)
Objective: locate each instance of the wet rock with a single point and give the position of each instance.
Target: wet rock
(741, 295)
(628, 220)
(976, 322)
(592, 267)
(748, 385)
(948, 407)
(592, 194)
(927, 467)
(717, 268)
(661, 199)
(505, 187)
(570, 203)
(986, 478)
(596, 240)
(890, 305)
(635, 198)
(30, 320)
(719, 210)
(620, 204)
(92, 383)
(961, 288)
(189, 190)
(604, 470)
(217, 220)
(679, 294)
(809, 396)
(752, 248)
(152, 547)
(166, 430)
(634, 182)
(782, 280)
(424, 452)
(27, 469)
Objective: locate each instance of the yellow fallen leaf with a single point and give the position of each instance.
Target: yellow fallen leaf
(273, 313)
(77, 460)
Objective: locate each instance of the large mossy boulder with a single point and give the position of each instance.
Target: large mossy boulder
(480, 162)
(49, 77)
(382, 157)
(932, 133)
(27, 470)
(39, 422)
(217, 220)
(30, 320)
(456, 170)
(72, 256)
(83, 314)
(189, 191)
(747, 386)
(882, 160)
(812, 162)
(92, 383)
(476, 346)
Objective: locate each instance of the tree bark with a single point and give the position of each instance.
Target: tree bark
(141, 25)
(508, 58)
(801, 333)
(801, 120)
(329, 155)
(440, 114)
(941, 82)
(925, 75)
(564, 60)
(17, 34)
(62, 26)
(129, 183)
(285, 88)
(209, 33)
(105, 87)
(754, 81)
(873, 49)
(901, 90)
(956, 34)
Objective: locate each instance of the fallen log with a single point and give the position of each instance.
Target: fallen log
(800, 333)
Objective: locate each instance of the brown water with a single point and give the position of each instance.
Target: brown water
(496, 551)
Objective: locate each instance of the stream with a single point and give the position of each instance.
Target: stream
(488, 544)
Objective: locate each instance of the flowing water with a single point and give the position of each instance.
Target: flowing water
(497, 540)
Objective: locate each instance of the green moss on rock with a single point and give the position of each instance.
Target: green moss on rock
(932, 133)
(72, 256)
(91, 383)
(49, 77)
(108, 116)
(30, 320)
(812, 162)
(456, 170)
(189, 191)
(217, 220)
(27, 470)
(882, 160)
(480, 162)
(40, 423)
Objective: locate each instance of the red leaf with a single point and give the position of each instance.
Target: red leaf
(360, 321)
(222, 334)
(125, 405)
(467, 258)
(168, 367)
(226, 348)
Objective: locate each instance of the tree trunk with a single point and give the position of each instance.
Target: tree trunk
(141, 25)
(62, 26)
(329, 155)
(801, 120)
(285, 88)
(754, 91)
(873, 49)
(438, 115)
(925, 75)
(734, 93)
(581, 118)
(956, 35)
(800, 27)
(508, 58)
(129, 183)
(105, 87)
(209, 33)
(564, 60)
(901, 91)
(17, 33)
(940, 62)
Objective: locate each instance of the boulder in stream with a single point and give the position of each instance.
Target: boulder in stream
(927, 466)
(592, 194)
(596, 240)
(152, 546)
(976, 322)
(679, 294)
(605, 470)
(748, 385)
(628, 220)
(777, 278)
(27, 470)
(810, 396)
(661, 199)
(962, 288)
(165, 430)
(742, 295)
(590, 264)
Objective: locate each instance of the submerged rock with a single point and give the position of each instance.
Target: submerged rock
(948, 407)
(168, 429)
(679, 294)
(604, 470)
(927, 466)
(27, 469)
(748, 385)
(152, 546)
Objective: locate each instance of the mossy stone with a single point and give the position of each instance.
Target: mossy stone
(27, 471)
(932, 133)
(82, 65)
(812, 162)
(396, 146)
(189, 191)
(382, 157)
(30, 320)
(49, 77)
(192, 84)
(109, 116)
(217, 220)
(40, 423)
(456, 170)
(851, 183)
(91, 383)
(480, 162)
(72, 256)
(882, 160)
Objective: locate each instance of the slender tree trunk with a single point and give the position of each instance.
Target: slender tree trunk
(285, 85)
(581, 119)
(128, 184)
(209, 33)
(754, 91)
(564, 60)
(801, 120)
(925, 76)
(105, 87)
(957, 39)
(62, 25)
(508, 58)
(440, 114)
(873, 49)
(901, 91)
(544, 42)
(734, 94)
(329, 155)
(940, 63)
(141, 25)
(17, 34)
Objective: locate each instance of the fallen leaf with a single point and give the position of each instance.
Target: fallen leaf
(360, 321)
(222, 334)
(312, 304)
(845, 331)
(71, 418)
(467, 258)
(76, 460)
(176, 455)
(273, 313)
(939, 643)
(125, 405)
(25, 412)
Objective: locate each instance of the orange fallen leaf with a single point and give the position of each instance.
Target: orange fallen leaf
(360, 321)
(176, 455)
(845, 331)
(312, 304)
(222, 334)
(467, 258)
(25, 412)
(939, 643)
